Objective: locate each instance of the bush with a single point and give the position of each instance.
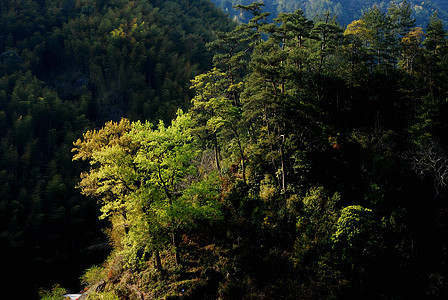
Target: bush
(92, 276)
(56, 293)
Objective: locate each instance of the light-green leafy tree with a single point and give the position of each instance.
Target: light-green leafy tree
(148, 183)
(357, 234)
(171, 194)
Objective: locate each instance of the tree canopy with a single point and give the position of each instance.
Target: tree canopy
(307, 160)
(311, 164)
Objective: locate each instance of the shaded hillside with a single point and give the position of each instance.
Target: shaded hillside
(66, 66)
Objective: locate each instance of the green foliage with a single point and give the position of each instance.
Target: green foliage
(345, 10)
(316, 222)
(56, 293)
(103, 296)
(259, 190)
(145, 179)
(217, 116)
(66, 67)
(305, 80)
(38, 178)
(435, 34)
(92, 275)
(357, 233)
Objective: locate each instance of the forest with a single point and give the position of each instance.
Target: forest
(65, 67)
(345, 10)
(158, 150)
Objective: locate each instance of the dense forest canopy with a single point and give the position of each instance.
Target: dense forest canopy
(287, 157)
(311, 164)
(66, 67)
(345, 10)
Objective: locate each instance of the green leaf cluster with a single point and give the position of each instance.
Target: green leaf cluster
(148, 183)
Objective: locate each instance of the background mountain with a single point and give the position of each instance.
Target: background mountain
(65, 67)
(346, 10)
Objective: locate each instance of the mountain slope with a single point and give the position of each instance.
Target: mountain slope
(66, 66)
(346, 10)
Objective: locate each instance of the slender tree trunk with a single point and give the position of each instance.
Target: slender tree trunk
(215, 142)
(174, 241)
(158, 262)
(283, 168)
(232, 81)
(170, 199)
(272, 148)
(240, 148)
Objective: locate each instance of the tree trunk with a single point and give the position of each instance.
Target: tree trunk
(176, 255)
(283, 168)
(215, 142)
(158, 262)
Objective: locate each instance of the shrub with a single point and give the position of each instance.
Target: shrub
(56, 293)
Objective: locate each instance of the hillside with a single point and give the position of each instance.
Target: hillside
(312, 164)
(66, 67)
(345, 10)
(156, 150)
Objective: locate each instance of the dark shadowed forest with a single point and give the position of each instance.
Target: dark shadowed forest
(160, 150)
(66, 67)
